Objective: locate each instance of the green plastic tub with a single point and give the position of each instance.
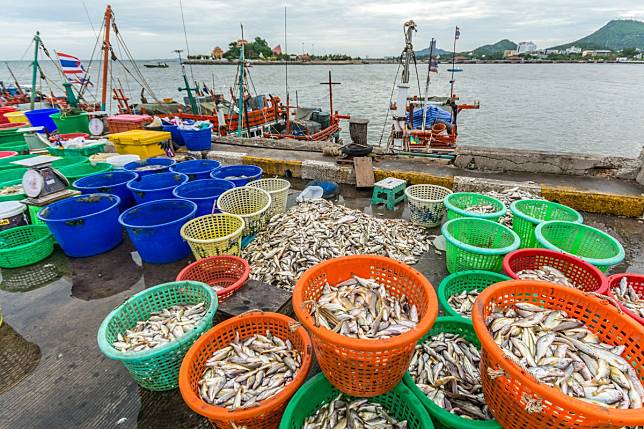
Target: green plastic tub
(527, 214)
(69, 161)
(442, 418)
(76, 171)
(17, 146)
(12, 135)
(400, 403)
(71, 123)
(7, 163)
(477, 244)
(12, 197)
(25, 245)
(588, 243)
(74, 152)
(458, 203)
(11, 175)
(158, 368)
(465, 280)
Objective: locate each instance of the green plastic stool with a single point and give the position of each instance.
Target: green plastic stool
(389, 191)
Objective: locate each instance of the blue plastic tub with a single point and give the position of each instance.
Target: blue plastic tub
(155, 186)
(40, 118)
(140, 167)
(204, 193)
(196, 169)
(113, 182)
(197, 139)
(84, 225)
(154, 229)
(238, 174)
(176, 135)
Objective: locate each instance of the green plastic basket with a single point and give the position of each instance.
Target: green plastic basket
(465, 280)
(25, 245)
(477, 244)
(12, 197)
(33, 215)
(458, 202)
(441, 417)
(588, 243)
(11, 175)
(400, 403)
(17, 146)
(69, 161)
(527, 214)
(158, 368)
(83, 151)
(77, 171)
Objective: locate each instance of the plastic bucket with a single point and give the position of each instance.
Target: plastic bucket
(204, 193)
(113, 182)
(155, 186)
(42, 118)
(119, 161)
(139, 167)
(71, 123)
(3, 111)
(176, 135)
(197, 139)
(84, 225)
(17, 117)
(240, 175)
(77, 171)
(154, 229)
(12, 214)
(196, 169)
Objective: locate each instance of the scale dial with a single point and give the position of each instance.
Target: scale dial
(96, 126)
(32, 183)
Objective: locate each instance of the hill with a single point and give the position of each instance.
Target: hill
(437, 51)
(496, 48)
(616, 35)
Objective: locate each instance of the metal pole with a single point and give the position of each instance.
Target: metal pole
(106, 54)
(240, 117)
(429, 72)
(34, 72)
(451, 90)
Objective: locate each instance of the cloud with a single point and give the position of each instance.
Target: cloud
(153, 29)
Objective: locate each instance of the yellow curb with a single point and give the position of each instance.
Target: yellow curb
(595, 202)
(275, 167)
(415, 177)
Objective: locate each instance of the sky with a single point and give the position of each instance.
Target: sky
(367, 28)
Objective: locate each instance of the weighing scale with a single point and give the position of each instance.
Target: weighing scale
(35, 139)
(97, 123)
(42, 183)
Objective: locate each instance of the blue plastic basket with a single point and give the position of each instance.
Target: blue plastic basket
(197, 139)
(154, 229)
(113, 182)
(84, 225)
(240, 175)
(204, 193)
(166, 163)
(155, 186)
(196, 169)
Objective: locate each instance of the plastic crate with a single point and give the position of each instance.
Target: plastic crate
(143, 143)
(122, 123)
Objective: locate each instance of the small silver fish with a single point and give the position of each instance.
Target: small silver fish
(344, 412)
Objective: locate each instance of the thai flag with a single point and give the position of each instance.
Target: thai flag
(433, 66)
(70, 64)
(457, 34)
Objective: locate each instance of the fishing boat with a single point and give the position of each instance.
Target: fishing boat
(424, 124)
(158, 65)
(455, 69)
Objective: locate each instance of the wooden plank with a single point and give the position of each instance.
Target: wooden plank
(364, 172)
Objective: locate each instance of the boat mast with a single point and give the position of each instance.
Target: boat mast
(429, 72)
(451, 82)
(34, 71)
(188, 89)
(403, 87)
(106, 54)
(240, 102)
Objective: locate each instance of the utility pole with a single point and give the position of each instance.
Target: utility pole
(34, 72)
(106, 54)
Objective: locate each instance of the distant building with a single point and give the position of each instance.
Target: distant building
(509, 53)
(526, 47)
(217, 53)
(596, 53)
(552, 51)
(573, 50)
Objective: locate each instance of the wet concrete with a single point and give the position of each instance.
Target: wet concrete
(52, 374)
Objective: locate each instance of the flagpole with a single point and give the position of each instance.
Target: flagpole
(451, 91)
(429, 71)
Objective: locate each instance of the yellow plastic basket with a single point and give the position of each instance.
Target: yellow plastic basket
(214, 234)
(144, 143)
(248, 202)
(278, 190)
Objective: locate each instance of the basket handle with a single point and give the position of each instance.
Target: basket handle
(607, 299)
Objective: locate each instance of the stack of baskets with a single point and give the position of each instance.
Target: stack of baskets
(249, 203)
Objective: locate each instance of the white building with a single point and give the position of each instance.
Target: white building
(573, 50)
(596, 53)
(552, 51)
(526, 47)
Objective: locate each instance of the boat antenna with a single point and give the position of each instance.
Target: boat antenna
(185, 35)
(457, 34)
(432, 44)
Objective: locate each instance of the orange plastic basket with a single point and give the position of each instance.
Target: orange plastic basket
(511, 394)
(269, 412)
(365, 368)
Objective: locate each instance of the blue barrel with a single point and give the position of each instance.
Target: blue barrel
(197, 139)
(154, 229)
(196, 169)
(84, 225)
(150, 166)
(238, 174)
(155, 186)
(114, 182)
(40, 118)
(204, 193)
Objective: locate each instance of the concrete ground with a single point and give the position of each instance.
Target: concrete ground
(52, 374)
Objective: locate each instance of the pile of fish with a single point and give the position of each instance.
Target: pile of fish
(345, 412)
(563, 353)
(248, 372)
(317, 230)
(150, 167)
(362, 308)
(10, 190)
(481, 209)
(463, 302)
(446, 369)
(507, 197)
(161, 328)
(547, 273)
(629, 297)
